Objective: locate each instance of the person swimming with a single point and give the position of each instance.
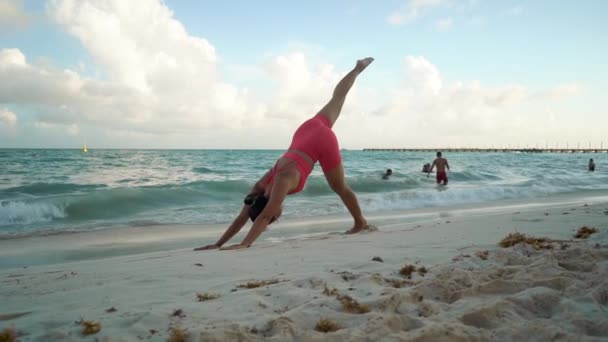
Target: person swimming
(313, 141)
(387, 174)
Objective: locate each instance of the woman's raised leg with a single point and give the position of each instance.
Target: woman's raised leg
(333, 108)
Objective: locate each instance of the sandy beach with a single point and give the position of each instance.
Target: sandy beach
(426, 275)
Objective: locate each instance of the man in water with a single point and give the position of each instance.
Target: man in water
(591, 165)
(388, 173)
(442, 165)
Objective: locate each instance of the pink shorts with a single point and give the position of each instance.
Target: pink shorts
(315, 139)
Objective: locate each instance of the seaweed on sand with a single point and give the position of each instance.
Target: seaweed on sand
(348, 303)
(483, 255)
(407, 271)
(177, 334)
(517, 238)
(326, 325)
(8, 335)
(203, 297)
(584, 232)
(91, 327)
(258, 283)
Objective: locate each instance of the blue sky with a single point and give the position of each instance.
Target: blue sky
(447, 72)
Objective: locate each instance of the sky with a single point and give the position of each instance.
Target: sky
(245, 74)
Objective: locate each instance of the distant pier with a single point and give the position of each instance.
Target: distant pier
(492, 150)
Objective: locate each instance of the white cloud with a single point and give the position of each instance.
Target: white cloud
(563, 90)
(71, 129)
(138, 44)
(412, 10)
(444, 24)
(12, 57)
(8, 118)
(34, 84)
(396, 18)
(158, 77)
(302, 89)
(12, 14)
(423, 74)
(426, 111)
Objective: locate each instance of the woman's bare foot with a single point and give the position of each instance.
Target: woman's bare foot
(359, 226)
(363, 63)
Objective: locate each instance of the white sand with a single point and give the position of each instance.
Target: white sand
(518, 293)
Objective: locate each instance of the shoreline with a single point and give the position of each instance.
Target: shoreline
(123, 241)
(512, 293)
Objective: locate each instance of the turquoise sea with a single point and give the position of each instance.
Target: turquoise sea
(44, 191)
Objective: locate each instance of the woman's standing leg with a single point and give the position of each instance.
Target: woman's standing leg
(336, 181)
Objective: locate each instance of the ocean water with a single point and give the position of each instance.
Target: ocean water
(46, 191)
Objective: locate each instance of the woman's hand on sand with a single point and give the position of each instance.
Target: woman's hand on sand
(235, 246)
(204, 248)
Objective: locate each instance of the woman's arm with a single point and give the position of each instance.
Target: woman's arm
(234, 228)
(241, 219)
(283, 182)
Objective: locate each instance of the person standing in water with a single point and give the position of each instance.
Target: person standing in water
(313, 141)
(591, 165)
(442, 165)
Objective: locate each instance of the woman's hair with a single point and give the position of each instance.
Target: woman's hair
(259, 203)
(256, 208)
